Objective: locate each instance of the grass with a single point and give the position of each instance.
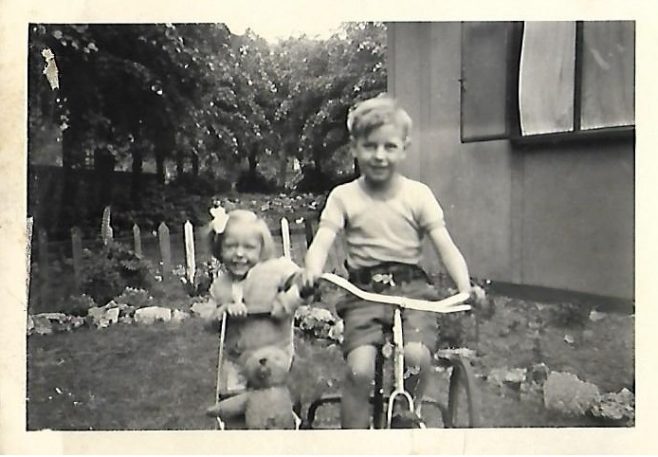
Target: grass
(162, 377)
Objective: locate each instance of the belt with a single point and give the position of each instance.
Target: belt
(386, 274)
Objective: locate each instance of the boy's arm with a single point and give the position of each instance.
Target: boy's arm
(451, 257)
(317, 255)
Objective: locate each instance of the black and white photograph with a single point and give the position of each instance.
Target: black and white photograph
(276, 223)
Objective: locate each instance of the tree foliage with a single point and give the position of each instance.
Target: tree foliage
(196, 92)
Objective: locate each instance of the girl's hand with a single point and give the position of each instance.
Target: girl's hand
(219, 313)
(238, 309)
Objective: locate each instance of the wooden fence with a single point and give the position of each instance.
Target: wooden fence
(60, 264)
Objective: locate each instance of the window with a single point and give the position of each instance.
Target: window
(541, 79)
(486, 105)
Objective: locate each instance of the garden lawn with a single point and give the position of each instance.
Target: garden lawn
(159, 377)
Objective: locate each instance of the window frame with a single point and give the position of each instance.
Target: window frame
(577, 134)
(512, 114)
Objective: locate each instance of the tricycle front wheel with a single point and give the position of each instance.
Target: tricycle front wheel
(463, 400)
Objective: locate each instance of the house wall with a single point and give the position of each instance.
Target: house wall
(558, 216)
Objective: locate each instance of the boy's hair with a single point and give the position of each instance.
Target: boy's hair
(243, 216)
(370, 114)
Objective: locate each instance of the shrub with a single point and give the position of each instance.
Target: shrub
(138, 298)
(255, 182)
(203, 277)
(112, 268)
(78, 305)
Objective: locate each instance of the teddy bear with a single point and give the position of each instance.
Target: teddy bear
(267, 403)
(259, 349)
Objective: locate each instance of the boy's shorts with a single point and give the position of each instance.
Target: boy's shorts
(368, 323)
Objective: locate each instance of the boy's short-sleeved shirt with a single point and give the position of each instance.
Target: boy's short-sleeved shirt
(382, 230)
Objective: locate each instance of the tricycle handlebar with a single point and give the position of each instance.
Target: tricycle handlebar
(451, 304)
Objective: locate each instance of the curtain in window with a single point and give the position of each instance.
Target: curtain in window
(547, 75)
(608, 86)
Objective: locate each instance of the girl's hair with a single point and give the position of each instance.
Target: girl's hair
(370, 114)
(242, 216)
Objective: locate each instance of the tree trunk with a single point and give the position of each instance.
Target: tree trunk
(253, 160)
(283, 169)
(136, 179)
(195, 165)
(66, 217)
(160, 164)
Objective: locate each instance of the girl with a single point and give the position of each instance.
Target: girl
(251, 281)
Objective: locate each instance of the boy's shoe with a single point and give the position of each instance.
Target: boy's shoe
(406, 419)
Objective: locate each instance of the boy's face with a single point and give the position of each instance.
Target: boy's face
(240, 249)
(379, 153)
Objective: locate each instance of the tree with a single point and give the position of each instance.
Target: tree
(324, 79)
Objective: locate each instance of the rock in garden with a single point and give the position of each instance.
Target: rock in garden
(55, 317)
(75, 322)
(596, 316)
(205, 310)
(95, 314)
(179, 316)
(151, 314)
(102, 317)
(567, 394)
(449, 353)
(510, 377)
(42, 325)
(112, 315)
(616, 406)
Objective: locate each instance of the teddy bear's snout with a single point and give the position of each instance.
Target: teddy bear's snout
(263, 361)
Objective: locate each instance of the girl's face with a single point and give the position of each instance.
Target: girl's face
(240, 249)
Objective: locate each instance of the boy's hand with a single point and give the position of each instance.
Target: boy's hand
(478, 296)
(309, 281)
(238, 309)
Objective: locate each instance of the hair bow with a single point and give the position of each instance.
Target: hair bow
(219, 219)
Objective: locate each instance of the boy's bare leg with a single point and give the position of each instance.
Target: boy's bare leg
(355, 400)
(417, 360)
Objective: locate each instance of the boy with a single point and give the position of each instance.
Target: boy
(384, 216)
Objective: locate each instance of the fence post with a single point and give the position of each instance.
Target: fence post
(106, 230)
(137, 239)
(165, 249)
(44, 264)
(76, 249)
(285, 237)
(189, 251)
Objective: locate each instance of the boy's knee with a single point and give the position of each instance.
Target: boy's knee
(416, 355)
(361, 374)
(361, 366)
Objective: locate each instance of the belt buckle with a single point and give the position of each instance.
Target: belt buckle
(381, 281)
